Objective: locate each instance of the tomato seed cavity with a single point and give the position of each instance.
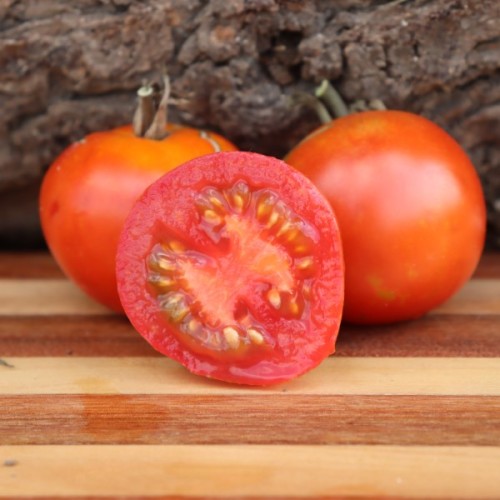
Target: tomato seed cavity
(264, 242)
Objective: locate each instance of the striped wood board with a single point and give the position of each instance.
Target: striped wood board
(89, 410)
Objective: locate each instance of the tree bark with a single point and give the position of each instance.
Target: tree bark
(69, 68)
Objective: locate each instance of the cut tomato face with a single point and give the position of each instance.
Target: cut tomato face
(232, 265)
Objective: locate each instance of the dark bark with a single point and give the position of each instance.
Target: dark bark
(68, 68)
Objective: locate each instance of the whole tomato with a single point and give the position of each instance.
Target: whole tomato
(409, 206)
(88, 191)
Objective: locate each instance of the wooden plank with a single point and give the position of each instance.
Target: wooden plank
(489, 265)
(66, 335)
(435, 335)
(222, 471)
(180, 419)
(40, 264)
(336, 375)
(52, 296)
(23, 265)
(45, 297)
(478, 296)
(112, 335)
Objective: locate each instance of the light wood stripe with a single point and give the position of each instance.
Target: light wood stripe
(478, 296)
(60, 296)
(45, 297)
(250, 419)
(336, 375)
(290, 471)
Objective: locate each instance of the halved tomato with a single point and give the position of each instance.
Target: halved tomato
(232, 265)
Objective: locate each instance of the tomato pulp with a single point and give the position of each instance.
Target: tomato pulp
(90, 188)
(232, 265)
(410, 209)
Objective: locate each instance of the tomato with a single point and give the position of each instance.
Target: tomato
(232, 265)
(410, 209)
(89, 189)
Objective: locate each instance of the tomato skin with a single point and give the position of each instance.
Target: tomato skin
(89, 189)
(167, 209)
(410, 209)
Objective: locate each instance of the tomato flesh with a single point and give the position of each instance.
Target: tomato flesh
(89, 189)
(232, 265)
(410, 209)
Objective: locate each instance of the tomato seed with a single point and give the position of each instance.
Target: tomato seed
(255, 336)
(176, 246)
(232, 337)
(274, 298)
(212, 217)
(161, 281)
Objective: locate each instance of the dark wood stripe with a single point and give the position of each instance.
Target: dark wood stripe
(442, 336)
(431, 336)
(286, 419)
(24, 265)
(71, 336)
(42, 265)
(489, 266)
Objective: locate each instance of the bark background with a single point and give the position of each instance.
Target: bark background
(69, 68)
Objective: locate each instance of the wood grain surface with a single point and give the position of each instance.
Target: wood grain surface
(89, 410)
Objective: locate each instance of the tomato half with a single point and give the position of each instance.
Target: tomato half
(232, 265)
(410, 209)
(90, 188)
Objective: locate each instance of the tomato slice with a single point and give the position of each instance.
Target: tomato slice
(232, 265)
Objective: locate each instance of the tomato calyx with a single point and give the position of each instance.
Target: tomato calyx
(150, 117)
(336, 104)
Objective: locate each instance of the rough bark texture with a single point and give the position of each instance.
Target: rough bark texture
(68, 68)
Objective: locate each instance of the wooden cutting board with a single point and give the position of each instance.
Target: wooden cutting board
(88, 409)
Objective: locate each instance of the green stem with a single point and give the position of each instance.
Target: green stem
(332, 99)
(315, 104)
(377, 104)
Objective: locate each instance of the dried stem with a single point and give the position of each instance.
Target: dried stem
(145, 111)
(150, 118)
(158, 127)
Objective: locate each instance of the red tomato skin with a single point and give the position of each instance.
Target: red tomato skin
(410, 208)
(89, 189)
(158, 212)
